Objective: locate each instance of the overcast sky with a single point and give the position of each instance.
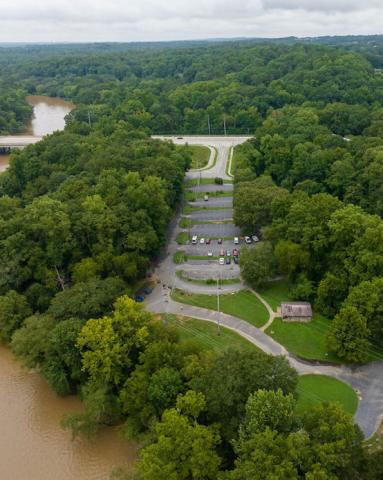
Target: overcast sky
(132, 20)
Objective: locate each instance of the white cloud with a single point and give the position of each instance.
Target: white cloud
(132, 20)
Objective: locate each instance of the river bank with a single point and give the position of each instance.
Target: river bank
(33, 446)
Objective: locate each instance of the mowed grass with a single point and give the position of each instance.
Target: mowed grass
(206, 334)
(305, 340)
(316, 389)
(242, 304)
(200, 156)
(275, 293)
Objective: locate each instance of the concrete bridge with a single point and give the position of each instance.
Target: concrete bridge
(17, 142)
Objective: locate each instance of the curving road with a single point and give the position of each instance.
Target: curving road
(367, 380)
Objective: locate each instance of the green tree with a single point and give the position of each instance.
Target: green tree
(182, 448)
(232, 377)
(14, 309)
(258, 264)
(62, 362)
(29, 343)
(110, 345)
(268, 409)
(348, 335)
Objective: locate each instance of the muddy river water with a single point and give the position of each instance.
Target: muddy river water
(48, 116)
(33, 446)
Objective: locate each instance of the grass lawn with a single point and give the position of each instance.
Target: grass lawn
(242, 304)
(275, 293)
(315, 389)
(209, 281)
(201, 257)
(185, 222)
(206, 334)
(182, 238)
(217, 193)
(200, 156)
(203, 181)
(211, 222)
(190, 209)
(306, 340)
(179, 257)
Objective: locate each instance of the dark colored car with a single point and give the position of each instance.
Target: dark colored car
(235, 260)
(139, 298)
(220, 241)
(228, 261)
(147, 290)
(208, 241)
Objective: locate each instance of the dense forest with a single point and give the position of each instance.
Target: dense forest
(84, 213)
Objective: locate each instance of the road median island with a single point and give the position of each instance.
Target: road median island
(316, 389)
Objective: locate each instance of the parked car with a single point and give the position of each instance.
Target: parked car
(228, 260)
(236, 241)
(206, 198)
(255, 238)
(247, 239)
(202, 241)
(235, 260)
(228, 253)
(222, 253)
(209, 254)
(208, 241)
(235, 252)
(147, 290)
(139, 298)
(194, 239)
(222, 261)
(220, 241)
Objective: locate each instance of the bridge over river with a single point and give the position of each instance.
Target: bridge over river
(17, 142)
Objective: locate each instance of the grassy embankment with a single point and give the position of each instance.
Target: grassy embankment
(242, 304)
(206, 334)
(209, 281)
(315, 389)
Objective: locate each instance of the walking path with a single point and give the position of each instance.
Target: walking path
(367, 380)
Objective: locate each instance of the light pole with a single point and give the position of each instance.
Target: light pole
(218, 308)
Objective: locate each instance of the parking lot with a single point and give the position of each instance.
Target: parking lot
(214, 202)
(211, 215)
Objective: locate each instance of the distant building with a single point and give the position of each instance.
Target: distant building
(296, 312)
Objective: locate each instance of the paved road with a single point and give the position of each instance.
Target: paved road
(367, 380)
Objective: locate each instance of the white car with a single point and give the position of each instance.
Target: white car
(222, 261)
(255, 238)
(202, 241)
(236, 241)
(206, 198)
(194, 239)
(209, 254)
(247, 239)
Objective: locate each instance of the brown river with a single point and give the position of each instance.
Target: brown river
(32, 444)
(48, 116)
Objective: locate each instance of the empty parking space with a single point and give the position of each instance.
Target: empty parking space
(215, 230)
(214, 202)
(211, 215)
